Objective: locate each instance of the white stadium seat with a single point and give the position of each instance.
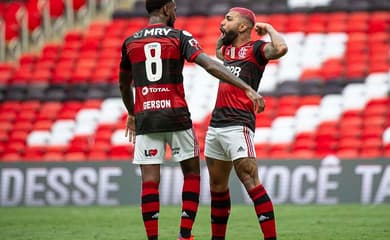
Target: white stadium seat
(87, 115)
(64, 124)
(354, 96)
(330, 107)
(307, 118)
(282, 135)
(38, 138)
(283, 122)
(118, 137)
(262, 135)
(85, 128)
(386, 136)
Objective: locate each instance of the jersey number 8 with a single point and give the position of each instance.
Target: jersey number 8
(153, 61)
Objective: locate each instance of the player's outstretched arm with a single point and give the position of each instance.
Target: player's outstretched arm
(277, 47)
(221, 72)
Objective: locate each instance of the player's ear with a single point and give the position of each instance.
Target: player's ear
(243, 27)
(165, 9)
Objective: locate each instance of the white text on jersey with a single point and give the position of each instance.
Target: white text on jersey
(156, 31)
(235, 70)
(157, 104)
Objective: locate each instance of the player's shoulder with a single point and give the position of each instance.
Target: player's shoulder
(258, 43)
(185, 32)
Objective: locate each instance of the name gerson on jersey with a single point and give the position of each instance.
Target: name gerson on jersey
(233, 107)
(155, 58)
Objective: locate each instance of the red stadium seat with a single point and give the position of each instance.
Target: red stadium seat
(57, 8)
(74, 156)
(12, 14)
(373, 131)
(304, 144)
(386, 151)
(5, 125)
(101, 145)
(33, 153)
(11, 157)
(77, 4)
(348, 153)
(7, 116)
(121, 152)
(53, 156)
(3, 137)
(262, 150)
(97, 155)
(34, 14)
(349, 143)
(43, 125)
(304, 154)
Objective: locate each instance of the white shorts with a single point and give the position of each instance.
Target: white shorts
(150, 148)
(229, 143)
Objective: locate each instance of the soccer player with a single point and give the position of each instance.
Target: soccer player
(229, 138)
(152, 60)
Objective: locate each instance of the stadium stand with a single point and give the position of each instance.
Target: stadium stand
(328, 95)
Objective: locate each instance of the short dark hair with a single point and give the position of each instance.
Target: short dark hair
(153, 5)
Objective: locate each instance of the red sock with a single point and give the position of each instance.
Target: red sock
(264, 211)
(190, 197)
(150, 206)
(220, 211)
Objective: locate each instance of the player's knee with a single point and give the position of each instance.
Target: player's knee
(190, 166)
(247, 169)
(248, 174)
(218, 187)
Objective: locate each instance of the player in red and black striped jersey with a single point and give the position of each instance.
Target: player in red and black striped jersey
(229, 139)
(152, 61)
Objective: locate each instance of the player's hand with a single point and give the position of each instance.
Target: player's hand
(262, 28)
(257, 99)
(130, 128)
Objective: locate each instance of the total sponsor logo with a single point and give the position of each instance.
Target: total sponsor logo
(147, 90)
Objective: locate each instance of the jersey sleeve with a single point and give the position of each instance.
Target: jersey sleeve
(258, 49)
(125, 64)
(189, 46)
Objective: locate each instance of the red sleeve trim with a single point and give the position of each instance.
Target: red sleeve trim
(195, 55)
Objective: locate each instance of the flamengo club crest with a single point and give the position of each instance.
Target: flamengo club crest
(242, 52)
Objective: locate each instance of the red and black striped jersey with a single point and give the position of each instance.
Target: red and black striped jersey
(155, 58)
(233, 107)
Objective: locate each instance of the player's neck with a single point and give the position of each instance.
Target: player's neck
(156, 20)
(241, 40)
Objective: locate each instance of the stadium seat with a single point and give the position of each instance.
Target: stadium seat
(38, 138)
(386, 136)
(262, 135)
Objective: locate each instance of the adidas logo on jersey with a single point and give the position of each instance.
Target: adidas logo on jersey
(184, 214)
(240, 149)
(262, 218)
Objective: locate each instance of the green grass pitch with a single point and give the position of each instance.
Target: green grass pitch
(339, 222)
